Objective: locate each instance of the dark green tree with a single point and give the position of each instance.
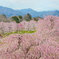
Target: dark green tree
(20, 17)
(15, 18)
(36, 18)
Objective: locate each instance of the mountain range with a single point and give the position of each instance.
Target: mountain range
(10, 12)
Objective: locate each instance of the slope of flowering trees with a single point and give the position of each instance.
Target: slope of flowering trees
(43, 44)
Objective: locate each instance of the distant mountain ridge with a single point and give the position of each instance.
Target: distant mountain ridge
(10, 12)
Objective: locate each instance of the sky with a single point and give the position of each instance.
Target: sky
(38, 5)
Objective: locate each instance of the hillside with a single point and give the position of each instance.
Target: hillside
(43, 43)
(10, 12)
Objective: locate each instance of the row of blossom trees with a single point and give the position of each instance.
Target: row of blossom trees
(29, 26)
(6, 27)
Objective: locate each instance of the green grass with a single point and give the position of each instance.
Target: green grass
(18, 32)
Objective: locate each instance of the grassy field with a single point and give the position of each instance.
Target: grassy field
(17, 32)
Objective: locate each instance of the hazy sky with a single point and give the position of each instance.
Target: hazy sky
(38, 5)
